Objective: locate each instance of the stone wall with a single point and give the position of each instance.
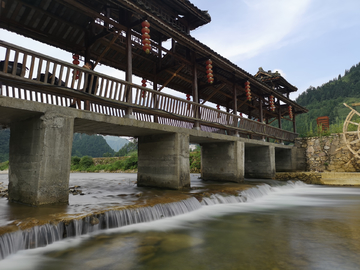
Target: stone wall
(329, 154)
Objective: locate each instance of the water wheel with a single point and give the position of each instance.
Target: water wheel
(351, 130)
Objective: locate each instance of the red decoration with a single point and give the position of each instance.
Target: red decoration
(209, 72)
(76, 62)
(143, 93)
(188, 97)
(218, 107)
(146, 36)
(248, 91)
(272, 105)
(290, 112)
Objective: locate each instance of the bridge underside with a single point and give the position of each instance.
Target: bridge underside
(41, 139)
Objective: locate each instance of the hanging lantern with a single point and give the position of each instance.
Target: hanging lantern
(218, 108)
(248, 91)
(188, 99)
(143, 93)
(241, 115)
(76, 62)
(272, 105)
(209, 71)
(290, 112)
(146, 36)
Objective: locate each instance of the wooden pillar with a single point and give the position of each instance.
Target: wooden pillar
(261, 113)
(236, 132)
(279, 117)
(129, 111)
(195, 90)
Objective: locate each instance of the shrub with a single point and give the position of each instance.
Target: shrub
(4, 165)
(75, 160)
(86, 162)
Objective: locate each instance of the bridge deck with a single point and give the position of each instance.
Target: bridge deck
(46, 80)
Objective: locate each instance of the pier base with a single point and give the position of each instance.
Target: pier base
(260, 162)
(163, 161)
(223, 161)
(40, 155)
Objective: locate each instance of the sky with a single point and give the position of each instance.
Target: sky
(308, 41)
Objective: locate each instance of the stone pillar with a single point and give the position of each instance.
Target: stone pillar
(40, 155)
(163, 161)
(260, 161)
(284, 160)
(223, 161)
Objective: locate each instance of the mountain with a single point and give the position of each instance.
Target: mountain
(115, 142)
(90, 145)
(327, 100)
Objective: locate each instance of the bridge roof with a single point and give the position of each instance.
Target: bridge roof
(96, 29)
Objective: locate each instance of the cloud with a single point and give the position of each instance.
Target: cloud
(251, 27)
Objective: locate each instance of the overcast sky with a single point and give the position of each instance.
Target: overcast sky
(308, 41)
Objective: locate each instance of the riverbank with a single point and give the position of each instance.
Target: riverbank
(322, 178)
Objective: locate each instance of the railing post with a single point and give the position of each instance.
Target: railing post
(236, 132)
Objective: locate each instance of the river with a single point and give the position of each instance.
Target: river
(270, 226)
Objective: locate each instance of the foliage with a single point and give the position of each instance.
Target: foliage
(127, 149)
(327, 100)
(94, 146)
(110, 164)
(4, 166)
(4, 144)
(195, 160)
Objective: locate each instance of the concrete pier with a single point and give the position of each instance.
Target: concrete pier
(260, 161)
(40, 153)
(163, 161)
(223, 161)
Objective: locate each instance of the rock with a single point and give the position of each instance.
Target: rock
(94, 221)
(176, 242)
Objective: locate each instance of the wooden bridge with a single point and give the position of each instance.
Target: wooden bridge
(37, 90)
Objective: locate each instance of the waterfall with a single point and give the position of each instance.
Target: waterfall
(40, 236)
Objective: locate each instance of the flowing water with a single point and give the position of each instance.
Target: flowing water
(269, 226)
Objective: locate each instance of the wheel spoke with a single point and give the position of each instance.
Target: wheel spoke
(351, 122)
(356, 141)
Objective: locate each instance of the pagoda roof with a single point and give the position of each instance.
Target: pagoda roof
(275, 81)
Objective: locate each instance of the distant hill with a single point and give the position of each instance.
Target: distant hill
(90, 145)
(115, 142)
(327, 100)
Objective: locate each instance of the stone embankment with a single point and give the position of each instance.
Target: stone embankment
(328, 161)
(329, 154)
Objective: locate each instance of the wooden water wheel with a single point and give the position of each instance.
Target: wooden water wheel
(351, 130)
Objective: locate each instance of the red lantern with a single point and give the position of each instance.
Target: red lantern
(218, 107)
(143, 93)
(248, 91)
(272, 105)
(209, 72)
(290, 112)
(76, 62)
(146, 36)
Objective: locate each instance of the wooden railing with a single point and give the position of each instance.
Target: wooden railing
(33, 76)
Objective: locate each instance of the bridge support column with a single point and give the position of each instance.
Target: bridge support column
(284, 160)
(260, 162)
(163, 161)
(223, 161)
(40, 153)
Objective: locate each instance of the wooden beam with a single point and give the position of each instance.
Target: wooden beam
(213, 93)
(106, 49)
(174, 74)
